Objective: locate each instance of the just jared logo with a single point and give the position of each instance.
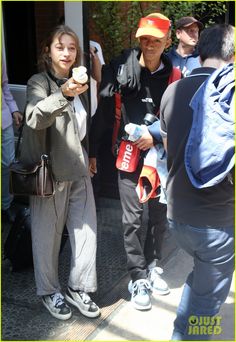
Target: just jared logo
(204, 325)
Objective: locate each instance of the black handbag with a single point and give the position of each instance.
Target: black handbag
(31, 179)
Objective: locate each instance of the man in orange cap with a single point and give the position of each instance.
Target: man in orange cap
(140, 77)
(185, 55)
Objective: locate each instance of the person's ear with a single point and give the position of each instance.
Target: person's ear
(177, 33)
(168, 43)
(232, 59)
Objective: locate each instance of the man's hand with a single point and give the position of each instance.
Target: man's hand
(17, 118)
(145, 142)
(92, 166)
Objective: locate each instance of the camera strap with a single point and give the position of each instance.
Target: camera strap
(119, 112)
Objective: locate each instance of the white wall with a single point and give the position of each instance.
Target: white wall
(74, 18)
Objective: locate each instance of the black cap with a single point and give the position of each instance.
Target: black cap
(187, 21)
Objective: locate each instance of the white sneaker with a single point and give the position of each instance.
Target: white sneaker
(140, 294)
(57, 306)
(158, 285)
(83, 302)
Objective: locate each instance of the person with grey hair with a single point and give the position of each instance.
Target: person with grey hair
(201, 218)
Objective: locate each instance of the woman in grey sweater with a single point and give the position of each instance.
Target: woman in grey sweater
(57, 111)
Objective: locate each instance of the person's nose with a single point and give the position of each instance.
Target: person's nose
(149, 44)
(66, 52)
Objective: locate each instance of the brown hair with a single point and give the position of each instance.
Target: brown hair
(44, 61)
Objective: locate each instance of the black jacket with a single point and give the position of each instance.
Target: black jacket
(140, 91)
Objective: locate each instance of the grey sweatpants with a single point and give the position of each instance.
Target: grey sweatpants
(73, 204)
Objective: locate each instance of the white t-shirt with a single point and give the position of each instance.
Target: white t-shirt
(93, 83)
(81, 116)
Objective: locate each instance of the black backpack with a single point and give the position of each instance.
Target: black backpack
(18, 245)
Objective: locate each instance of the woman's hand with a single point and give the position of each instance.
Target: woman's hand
(71, 88)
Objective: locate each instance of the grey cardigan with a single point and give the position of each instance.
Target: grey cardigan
(54, 111)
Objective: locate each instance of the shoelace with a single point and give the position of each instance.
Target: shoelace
(57, 299)
(140, 285)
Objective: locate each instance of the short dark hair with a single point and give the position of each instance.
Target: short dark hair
(217, 41)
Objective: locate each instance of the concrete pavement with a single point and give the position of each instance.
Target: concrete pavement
(25, 319)
(126, 323)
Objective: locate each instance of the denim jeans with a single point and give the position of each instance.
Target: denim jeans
(207, 286)
(8, 154)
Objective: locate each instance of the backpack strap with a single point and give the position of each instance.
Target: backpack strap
(175, 75)
(117, 120)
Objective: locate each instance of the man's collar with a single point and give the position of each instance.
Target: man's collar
(202, 71)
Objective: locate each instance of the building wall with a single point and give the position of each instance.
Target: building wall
(47, 15)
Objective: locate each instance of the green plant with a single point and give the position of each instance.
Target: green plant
(208, 12)
(108, 25)
(116, 21)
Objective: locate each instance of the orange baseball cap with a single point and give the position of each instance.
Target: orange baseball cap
(155, 24)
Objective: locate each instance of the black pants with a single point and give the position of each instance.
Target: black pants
(138, 257)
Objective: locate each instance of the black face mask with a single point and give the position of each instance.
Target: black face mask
(58, 81)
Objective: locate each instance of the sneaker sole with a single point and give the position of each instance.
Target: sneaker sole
(159, 292)
(58, 316)
(141, 307)
(85, 313)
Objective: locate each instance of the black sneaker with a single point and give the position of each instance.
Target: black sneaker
(56, 305)
(83, 302)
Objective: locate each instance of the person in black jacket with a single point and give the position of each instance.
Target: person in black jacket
(140, 76)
